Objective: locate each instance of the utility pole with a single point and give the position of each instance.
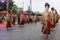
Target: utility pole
(7, 5)
(23, 4)
(31, 6)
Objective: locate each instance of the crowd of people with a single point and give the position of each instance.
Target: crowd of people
(49, 19)
(10, 17)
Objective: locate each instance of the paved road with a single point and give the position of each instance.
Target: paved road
(31, 31)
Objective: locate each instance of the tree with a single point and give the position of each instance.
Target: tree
(14, 7)
(11, 4)
(19, 10)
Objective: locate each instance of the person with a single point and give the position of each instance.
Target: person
(35, 18)
(30, 18)
(56, 17)
(41, 19)
(27, 19)
(18, 18)
(8, 20)
(46, 21)
(13, 18)
(52, 20)
(22, 20)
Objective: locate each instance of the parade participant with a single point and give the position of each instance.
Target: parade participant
(52, 20)
(8, 20)
(56, 17)
(46, 21)
(22, 20)
(27, 19)
(41, 19)
(4, 14)
(13, 18)
(18, 18)
(30, 18)
(35, 18)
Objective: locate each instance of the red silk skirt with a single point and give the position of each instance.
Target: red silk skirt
(47, 30)
(8, 24)
(22, 23)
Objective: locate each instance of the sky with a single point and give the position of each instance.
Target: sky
(38, 5)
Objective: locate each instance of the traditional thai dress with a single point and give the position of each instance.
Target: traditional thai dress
(27, 19)
(52, 20)
(56, 18)
(14, 18)
(18, 19)
(46, 23)
(22, 20)
(41, 19)
(8, 19)
(30, 18)
(35, 18)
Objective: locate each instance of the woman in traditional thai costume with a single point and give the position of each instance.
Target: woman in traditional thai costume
(46, 21)
(27, 19)
(52, 20)
(56, 17)
(41, 19)
(22, 20)
(14, 18)
(8, 20)
(35, 18)
(30, 18)
(18, 18)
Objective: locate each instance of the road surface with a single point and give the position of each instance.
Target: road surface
(31, 31)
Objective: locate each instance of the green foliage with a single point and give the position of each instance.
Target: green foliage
(14, 7)
(19, 10)
(11, 4)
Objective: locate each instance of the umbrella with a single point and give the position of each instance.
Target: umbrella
(24, 13)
